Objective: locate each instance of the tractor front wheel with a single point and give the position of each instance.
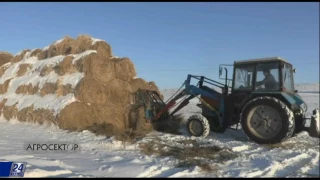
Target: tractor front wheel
(198, 126)
(267, 120)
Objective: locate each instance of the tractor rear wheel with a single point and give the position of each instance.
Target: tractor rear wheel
(198, 126)
(267, 120)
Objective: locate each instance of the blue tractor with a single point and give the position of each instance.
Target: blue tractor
(261, 98)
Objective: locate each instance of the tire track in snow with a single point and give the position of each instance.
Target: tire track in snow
(313, 165)
(287, 167)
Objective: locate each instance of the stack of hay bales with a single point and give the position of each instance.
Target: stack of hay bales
(74, 83)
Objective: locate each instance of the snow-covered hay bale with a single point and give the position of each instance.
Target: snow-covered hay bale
(74, 83)
(65, 66)
(63, 90)
(5, 57)
(27, 89)
(23, 68)
(35, 52)
(3, 68)
(2, 104)
(4, 86)
(20, 56)
(48, 88)
(82, 43)
(46, 70)
(9, 112)
(24, 114)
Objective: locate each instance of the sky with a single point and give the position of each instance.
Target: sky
(168, 41)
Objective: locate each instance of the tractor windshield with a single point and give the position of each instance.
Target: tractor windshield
(287, 78)
(267, 77)
(243, 78)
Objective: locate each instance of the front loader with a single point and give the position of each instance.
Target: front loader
(266, 115)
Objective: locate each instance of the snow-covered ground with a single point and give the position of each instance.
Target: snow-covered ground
(101, 157)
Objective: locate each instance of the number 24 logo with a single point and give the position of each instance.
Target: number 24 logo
(16, 167)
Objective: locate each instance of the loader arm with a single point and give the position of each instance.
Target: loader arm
(191, 91)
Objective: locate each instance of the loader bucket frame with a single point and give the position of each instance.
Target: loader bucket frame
(150, 98)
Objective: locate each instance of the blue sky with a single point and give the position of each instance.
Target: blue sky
(166, 41)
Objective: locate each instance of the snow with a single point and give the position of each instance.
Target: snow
(307, 87)
(72, 79)
(46, 48)
(58, 42)
(49, 101)
(105, 157)
(81, 55)
(18, 54)
(94, 40)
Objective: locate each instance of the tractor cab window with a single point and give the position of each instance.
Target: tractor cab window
(243, 78)
(267, 76)
(287, 78)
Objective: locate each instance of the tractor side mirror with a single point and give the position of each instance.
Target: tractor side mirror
(294, 70)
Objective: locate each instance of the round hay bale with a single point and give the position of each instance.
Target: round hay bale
(2, 103)
(139, 83)
(4, 86)
(43, 54)
(99, 68)
(23, 68)
(65, 47)
(20, 56)
(77, 116)
(27, 89)
(137, 120)
(102, 48)
(5, 57)
(62, 48)
(79, 65)
(48, 88)
(63, 90)
(3, 69)
(36, 52)
(10, 112)
(65, 66)
(89, 90)
(124, 69)
(42, 116)
(83, 43)
(111, 114)
(24, 114)
(75, 46)
(120, 92)
(46, 70)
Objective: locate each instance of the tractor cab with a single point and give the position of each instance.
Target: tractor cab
(267, 74)
(260, 76)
